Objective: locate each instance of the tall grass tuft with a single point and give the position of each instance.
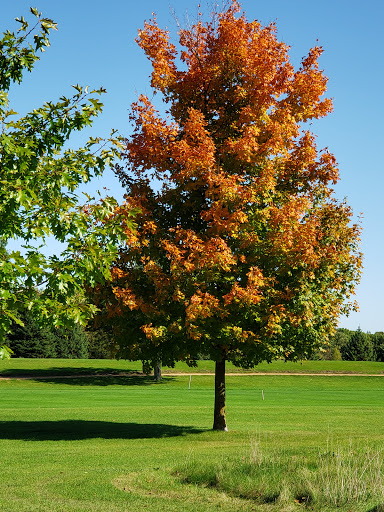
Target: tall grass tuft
(335, 478)
(348, 475)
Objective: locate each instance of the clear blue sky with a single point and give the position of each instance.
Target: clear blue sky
(95, 46)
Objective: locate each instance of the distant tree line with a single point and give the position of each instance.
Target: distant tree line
(356, 345)
(39, 341)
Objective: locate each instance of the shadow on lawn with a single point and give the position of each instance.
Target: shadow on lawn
(76, 430)
(84, 376)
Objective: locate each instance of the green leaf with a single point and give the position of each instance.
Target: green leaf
(5, 352)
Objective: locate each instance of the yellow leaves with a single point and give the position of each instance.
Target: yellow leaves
(275, 317)
(155, 334)
(201, 305)
(178, 295)
(242, 336)
(149, 227)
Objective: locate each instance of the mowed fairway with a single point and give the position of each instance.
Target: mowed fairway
(124, 443)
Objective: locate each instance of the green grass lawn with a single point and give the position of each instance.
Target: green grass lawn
(124, 443)
(50, 367)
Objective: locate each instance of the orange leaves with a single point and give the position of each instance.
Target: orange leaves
(127, 297)
(220, 220)
(202, 305)
(155, 43)
(247, 146)
(117, 273)
(306, 171)
(183, 152)
(195, 152)
(158, 277)
(154, 333)
(308, 85)
(295, 231)
(249, 295)
(148, 148)
(190, 252)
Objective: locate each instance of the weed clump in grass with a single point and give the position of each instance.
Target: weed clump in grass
(335, 478)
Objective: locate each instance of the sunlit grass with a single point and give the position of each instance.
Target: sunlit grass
(328, 477)
(125, 443)
(32, 367)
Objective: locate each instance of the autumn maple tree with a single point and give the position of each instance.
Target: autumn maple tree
(242, 252)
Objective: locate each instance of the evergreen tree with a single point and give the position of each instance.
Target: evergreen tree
(31, 339)
(359, 347)
(72, 343)
(378, 345)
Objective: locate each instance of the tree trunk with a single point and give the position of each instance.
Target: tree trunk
(219, 422)
(157, 371)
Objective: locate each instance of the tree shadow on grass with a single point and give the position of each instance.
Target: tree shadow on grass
(76, 430)
(84, 376)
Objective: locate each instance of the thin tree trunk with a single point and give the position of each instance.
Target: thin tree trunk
(157, 371)
(219, 422)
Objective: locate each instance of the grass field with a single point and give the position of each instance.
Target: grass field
(124, 443)
(86, 366)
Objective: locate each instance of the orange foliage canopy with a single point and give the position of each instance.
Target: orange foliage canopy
(241, 250)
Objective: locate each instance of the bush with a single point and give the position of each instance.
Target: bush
(332, 354)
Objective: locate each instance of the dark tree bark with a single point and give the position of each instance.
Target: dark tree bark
(219, 422)
(157, 371)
